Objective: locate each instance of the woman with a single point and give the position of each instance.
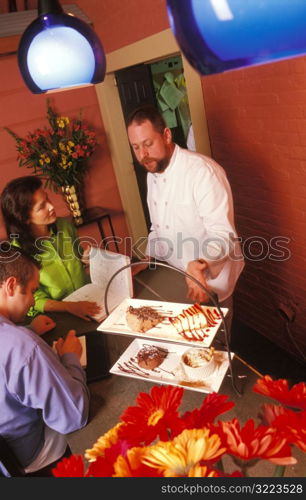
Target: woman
(31, 224)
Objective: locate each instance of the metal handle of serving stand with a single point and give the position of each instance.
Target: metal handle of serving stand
(210, 295)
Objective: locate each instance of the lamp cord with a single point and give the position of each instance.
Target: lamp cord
(212, 298)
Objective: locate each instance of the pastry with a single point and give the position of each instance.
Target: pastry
(141, 319)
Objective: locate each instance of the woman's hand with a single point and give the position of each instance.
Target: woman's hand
(42, 324)
(83, 309)
(85, 255)
(196, 269)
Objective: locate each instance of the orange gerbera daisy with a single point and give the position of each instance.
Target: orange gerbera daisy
(154, 416)
(180, 456)
(250, 444)
(131, 465)
(106, 441)
(278, 389)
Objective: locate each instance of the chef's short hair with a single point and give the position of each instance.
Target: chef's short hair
(150, 113)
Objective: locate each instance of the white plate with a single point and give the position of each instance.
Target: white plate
(116, 322)
(170, 372)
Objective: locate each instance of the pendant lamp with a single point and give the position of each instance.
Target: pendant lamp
(221, 35)
(59, 50)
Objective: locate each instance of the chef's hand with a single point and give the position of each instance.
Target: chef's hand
(196, 269)
(83, 309)
(42, 324)
(143, 264)
(70, 344)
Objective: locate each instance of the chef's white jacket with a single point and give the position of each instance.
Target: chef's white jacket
(192, 217)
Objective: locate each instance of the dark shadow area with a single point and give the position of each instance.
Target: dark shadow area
(264, 355)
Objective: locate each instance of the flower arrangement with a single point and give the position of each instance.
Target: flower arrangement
(153, 440)
(57, 154)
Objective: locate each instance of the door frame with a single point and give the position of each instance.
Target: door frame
(158, 46)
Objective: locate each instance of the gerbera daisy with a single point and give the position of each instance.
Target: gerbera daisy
(177, 457)
(213, 405)
(106, 441)
(132, 466)
(278, 389)
(72, 466)
(289, 424)
(154, 416)
(250, 444)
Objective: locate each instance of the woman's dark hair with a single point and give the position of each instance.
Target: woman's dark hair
(16, 205)
(150, 113)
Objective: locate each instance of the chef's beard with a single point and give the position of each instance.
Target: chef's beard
(155, 166)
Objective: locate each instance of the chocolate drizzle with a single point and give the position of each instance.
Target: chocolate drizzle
(131, 366)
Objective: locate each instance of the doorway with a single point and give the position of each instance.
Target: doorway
(162, 84)
(158, 46)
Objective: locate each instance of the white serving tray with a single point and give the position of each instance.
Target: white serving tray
(170, 372)
(116, 322)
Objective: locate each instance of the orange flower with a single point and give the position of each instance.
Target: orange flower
(132, 465)
(278, 389)
(177, 458)
(155, 414)
(249, 443)
(106, 441)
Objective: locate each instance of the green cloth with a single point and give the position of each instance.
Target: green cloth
(62, 271)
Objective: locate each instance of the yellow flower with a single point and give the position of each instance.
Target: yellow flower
(177, 457)
(105, 441)
(62, 121)
(71, 144)
(54, 151)
(47, 159)
(64, 159)
(61, 146)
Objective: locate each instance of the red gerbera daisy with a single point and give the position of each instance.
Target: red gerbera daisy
(249, 443)
(293, 426)
(213, 405)
(70, 467)
(278, 389)
(154, 416)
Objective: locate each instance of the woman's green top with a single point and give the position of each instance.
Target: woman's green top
(62, 271)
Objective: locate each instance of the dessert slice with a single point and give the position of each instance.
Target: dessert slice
(142, 319)
(191, 323)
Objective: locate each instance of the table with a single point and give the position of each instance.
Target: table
(98, 214)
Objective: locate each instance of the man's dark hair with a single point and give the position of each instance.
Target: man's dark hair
(15, 262)
(16, 205)
(150, 113)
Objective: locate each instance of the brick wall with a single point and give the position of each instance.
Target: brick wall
(257, 127)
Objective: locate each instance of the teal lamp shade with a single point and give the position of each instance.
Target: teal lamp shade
(221, 35)
(58, 50)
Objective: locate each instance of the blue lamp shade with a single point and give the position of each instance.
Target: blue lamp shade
(220, 35)
(59, 50)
